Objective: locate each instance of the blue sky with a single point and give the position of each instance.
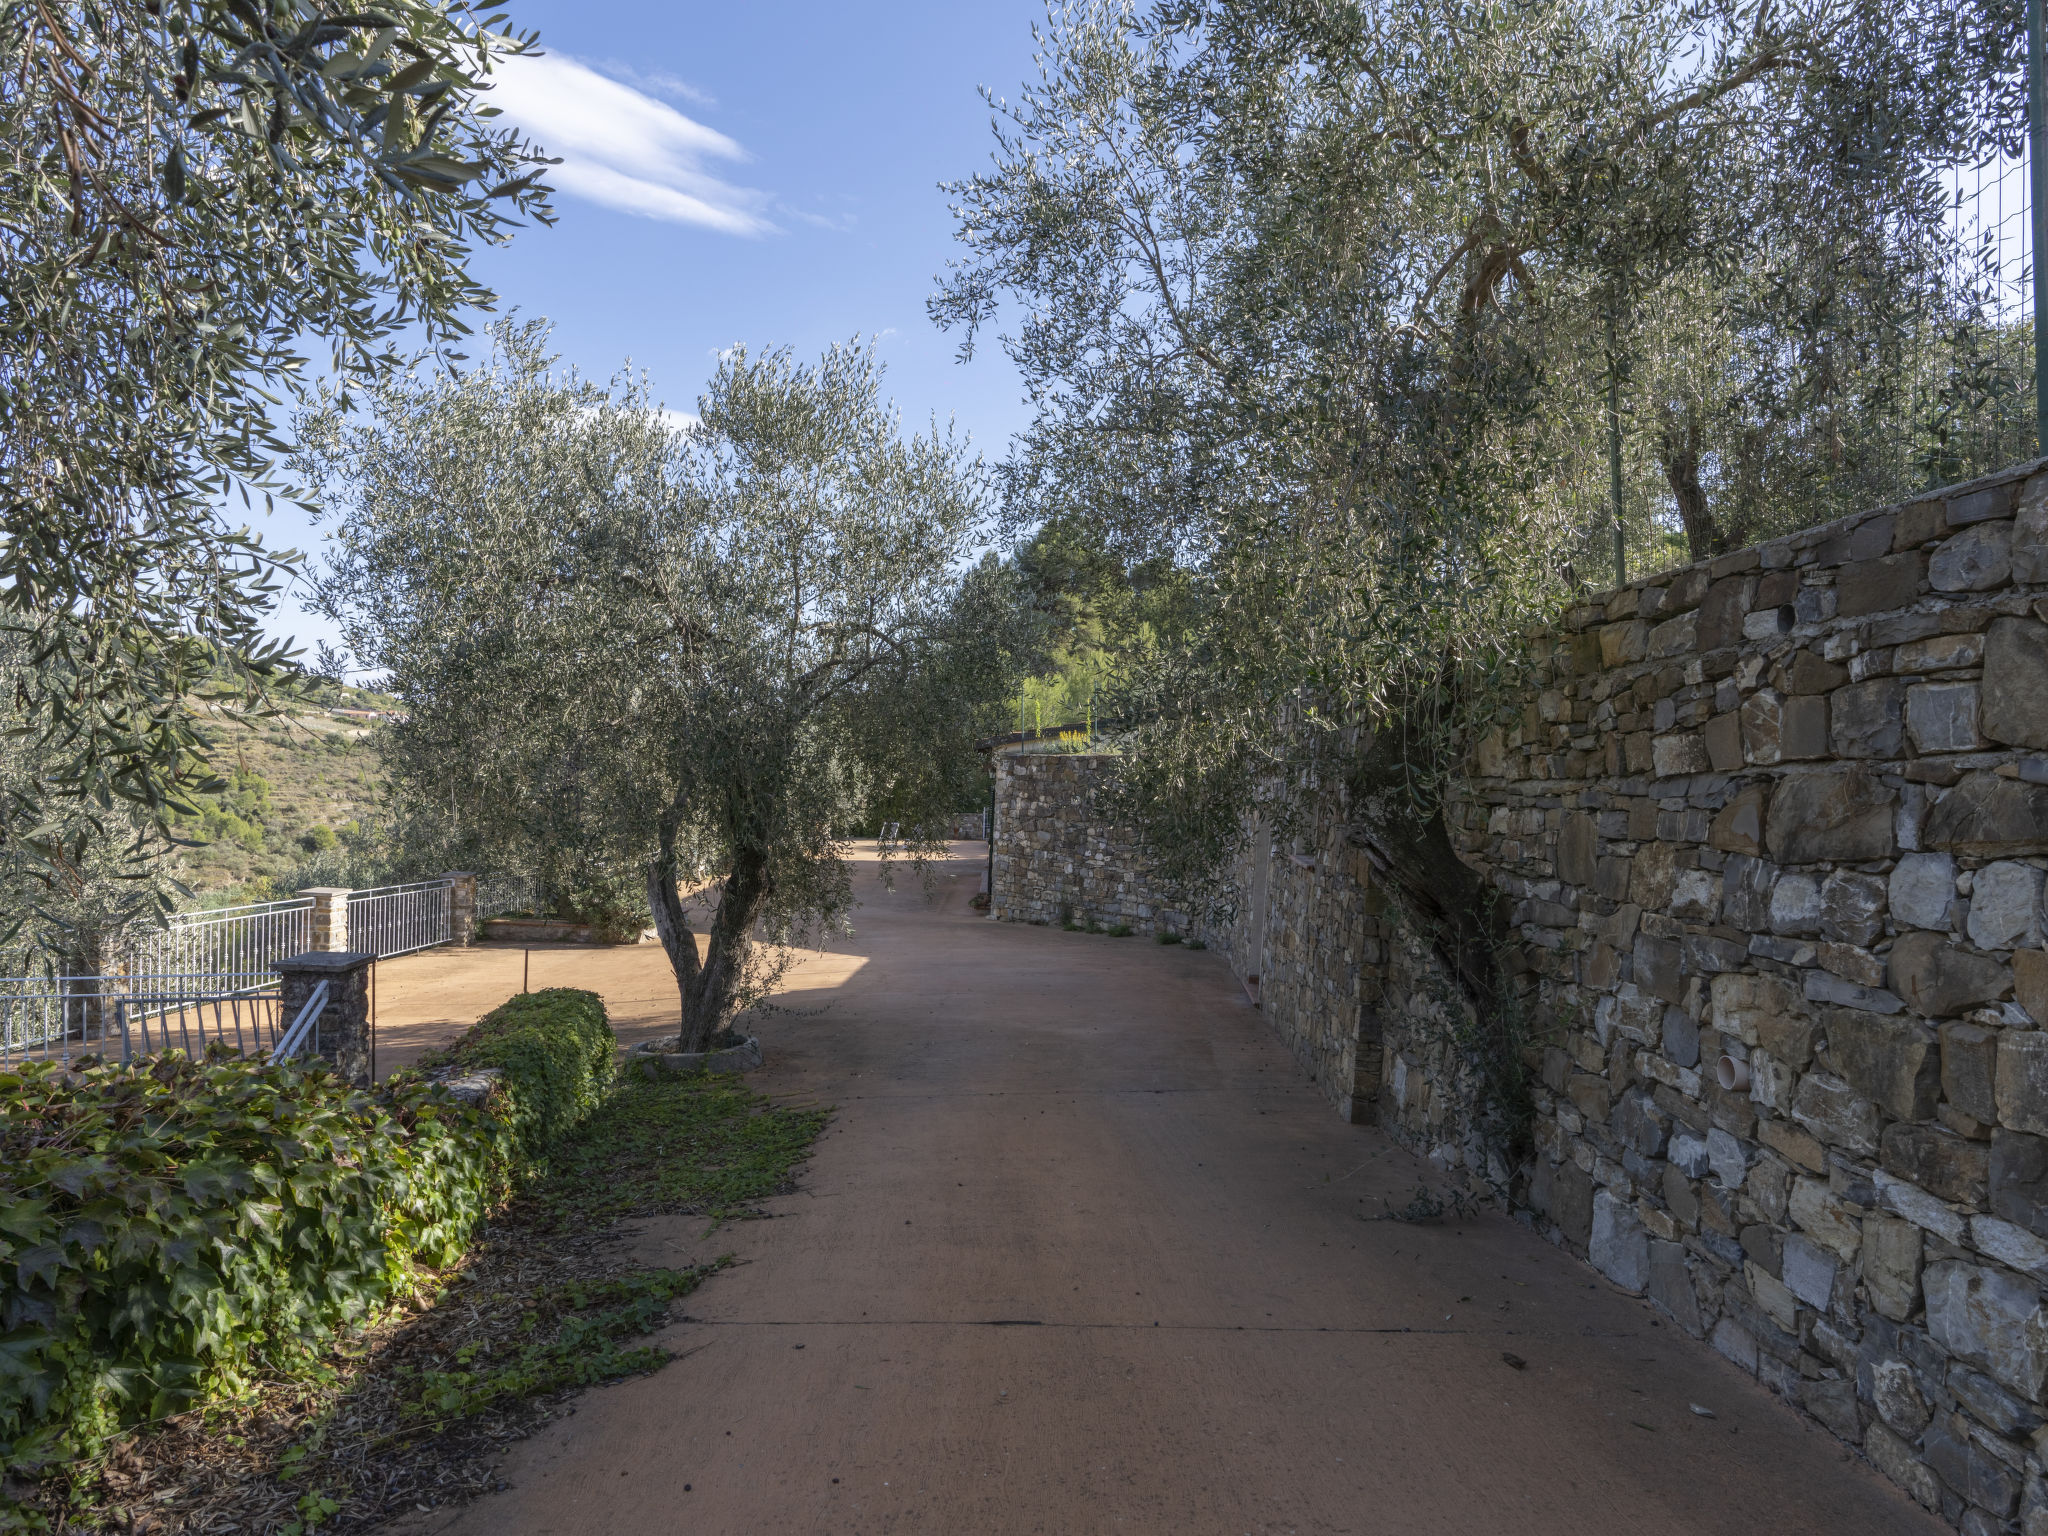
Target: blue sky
(762, 173)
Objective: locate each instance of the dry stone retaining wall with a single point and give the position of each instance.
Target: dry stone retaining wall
(1774, 829)
(1058, 859)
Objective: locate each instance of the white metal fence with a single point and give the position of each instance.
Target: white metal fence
(58, 1017)
(398, 919)
(225, 941)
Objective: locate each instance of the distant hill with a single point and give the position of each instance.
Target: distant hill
(305, 796)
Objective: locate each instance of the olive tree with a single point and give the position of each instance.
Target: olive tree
(689, 651)
(191, 192)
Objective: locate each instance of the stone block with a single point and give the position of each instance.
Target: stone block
(2021, 1088)
(1825, 1217)
(1696, 896)
(2019, 1179)
(1839, 815)
(1891, 1265)
(2030, 533)
(1809, 1271)
(1986, 816)
(1897, 1461)
(1589, 1094)
(1782, 729)
(2011, 1244)
(1832, 1400)
(2030, 983)
(1571, 1204)
(1679, 1197)
(1722, 737)
(1979, 505)
(1836, 1114)
(2015, 693)
(1746, 892)
(1877, 586)
(1830, 987)
(1892, 1061)
(1675, 637)
(1578, 845)
(1991, 1319)
(1942, 717)
(1896, 1396)
(1721, 612)
(1772, 1296)
(1670, 1287)
(1809, 674)
(1653, 876)
(1619, 1248)
(1625, 642)
(1793, 1144)
(1991, 1404)
(1689, 1155)
(1940, 980)
(1868, 719)
(1939, 653)
(1657, 969)
(1903, 1198)
(1639, 1125)
(1922, 890)
(1975, 560)
(1795, 904)
(1681, 1038)
(1939, 1161)
(1727, 1158)
(1852, 907)
(1737, 1345)
(2005, 905)
(1969, 1069)
(1762, 1010)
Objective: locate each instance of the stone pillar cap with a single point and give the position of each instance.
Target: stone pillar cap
(324, 960)
(326, 890)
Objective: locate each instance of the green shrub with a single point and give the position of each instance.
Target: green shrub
(558, 1055)
(169, 1231)
(173, 1230)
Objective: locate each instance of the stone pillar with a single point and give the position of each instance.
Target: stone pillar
(461, 906)
(330, 917)
(343, 1033)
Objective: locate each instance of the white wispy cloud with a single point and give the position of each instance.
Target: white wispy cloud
(658, 82)
(622, 148)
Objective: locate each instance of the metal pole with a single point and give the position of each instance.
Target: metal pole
(2037, 177)
(1614, 441)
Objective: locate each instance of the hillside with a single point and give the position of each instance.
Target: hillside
(304, 800)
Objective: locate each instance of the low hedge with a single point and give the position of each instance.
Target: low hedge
(559, 1050)
(170, 1231)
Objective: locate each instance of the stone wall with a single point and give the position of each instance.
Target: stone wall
(1058, 859)
(1774, 829)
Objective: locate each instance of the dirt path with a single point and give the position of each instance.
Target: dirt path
(1082, 1252)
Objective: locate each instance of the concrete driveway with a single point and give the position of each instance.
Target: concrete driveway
(1083, 1251)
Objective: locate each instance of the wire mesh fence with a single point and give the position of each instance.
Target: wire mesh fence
(1774, 400)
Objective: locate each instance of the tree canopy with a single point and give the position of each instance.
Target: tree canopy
(1333, 307)
(190, 192)
(636, 655)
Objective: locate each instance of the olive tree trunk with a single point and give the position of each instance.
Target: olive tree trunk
(707, 987)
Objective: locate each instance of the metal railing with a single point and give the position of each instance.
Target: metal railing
(304, 1033)
(224, 941)
(398, 919)
(55, 1018)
